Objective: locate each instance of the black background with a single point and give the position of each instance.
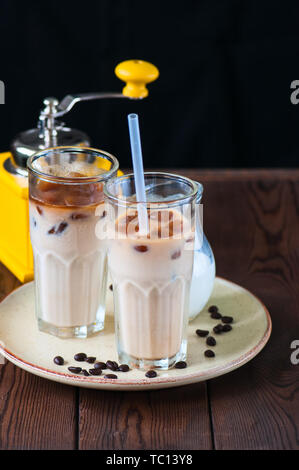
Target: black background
(223, 96)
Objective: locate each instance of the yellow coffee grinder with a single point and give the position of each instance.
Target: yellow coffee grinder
(15, 246)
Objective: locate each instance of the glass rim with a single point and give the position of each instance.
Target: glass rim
(197, 190)
(73, 180)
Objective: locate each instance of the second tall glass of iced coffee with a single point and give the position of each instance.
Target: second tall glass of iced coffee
(151, 267)
(66, 205)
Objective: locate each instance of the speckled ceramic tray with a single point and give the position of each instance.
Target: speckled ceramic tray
(22, 343)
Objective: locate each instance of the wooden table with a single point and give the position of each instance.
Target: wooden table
(251, 219)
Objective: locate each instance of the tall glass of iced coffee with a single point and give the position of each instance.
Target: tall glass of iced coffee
(151, 267)
(66, 202)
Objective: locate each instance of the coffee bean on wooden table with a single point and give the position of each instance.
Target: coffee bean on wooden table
(209, 353)
(58, 360)
(151, 374)
(75, 370)
(100, 365)
(180, 365)
(211, 341)
(227, 319)
(80, 357)
(202, 333)
(110, 376)
(95, 371)
(123, 368)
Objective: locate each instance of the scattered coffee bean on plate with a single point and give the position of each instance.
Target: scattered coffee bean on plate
(123, 368)
(202, 333)
(211, 341)
(95, 371)
(213, 309)
(85, 373)
(58, 360)
(151, 374)
(226, 328)
(227, 319)
(110, 376)
(112, 365)
(100, 365)
(209, 353)
(180, 365)
(75, 370)
(90, 360)
(216, 315)
(80, 357)
(218, 329)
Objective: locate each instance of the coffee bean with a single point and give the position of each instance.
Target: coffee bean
(90, 360)
(226, 328)
(80, 357)
(95, 371)
(123, 368)
(211, 341)
(103, 214)
(141, 248)
(75, 370)
(218, 329)
(85, 373)
(176, 254)
(180, 365)
(151, 374)
(61, 227)
(100, 365)
(213, 309)
(78, 216)
(58, 360)
(112, 365)
(227, 319)
(51, 231)
(111, 287)
(110, 376)
(216, 315)
(202, 333)
(209, 353)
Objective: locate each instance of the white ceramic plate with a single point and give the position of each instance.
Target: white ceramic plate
(33, 351)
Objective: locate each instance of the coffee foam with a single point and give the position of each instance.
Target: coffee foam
(74, 169)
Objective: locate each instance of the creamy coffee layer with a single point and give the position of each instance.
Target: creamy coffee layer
(70, 261)
(151, 280)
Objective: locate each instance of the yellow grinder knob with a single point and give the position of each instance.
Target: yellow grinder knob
(136, 74)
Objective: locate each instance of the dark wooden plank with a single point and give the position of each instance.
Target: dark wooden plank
(165, 419)
(34, 413)
(253, 226)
